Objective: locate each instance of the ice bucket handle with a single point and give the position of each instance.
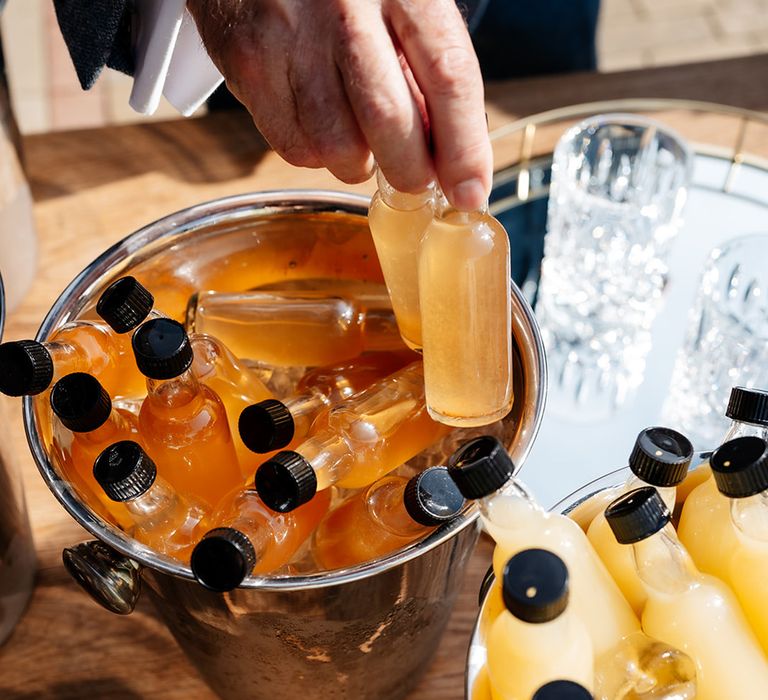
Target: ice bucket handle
(110, 578)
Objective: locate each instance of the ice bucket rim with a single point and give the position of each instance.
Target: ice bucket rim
(184, 221)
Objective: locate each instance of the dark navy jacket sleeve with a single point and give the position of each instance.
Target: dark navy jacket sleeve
(97, 34)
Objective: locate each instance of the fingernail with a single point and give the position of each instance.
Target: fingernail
(469, 195)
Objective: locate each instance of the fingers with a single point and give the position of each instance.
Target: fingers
(438, 49)
(383, 104)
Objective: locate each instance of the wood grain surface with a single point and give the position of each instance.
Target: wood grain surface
(91, 189)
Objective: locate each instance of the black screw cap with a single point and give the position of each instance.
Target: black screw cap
(637, 515)
(286, 481)
(535, 586)
(162, 349)
(480, 467)
(432, 497)
(740, 467)
(125, 304)
(80, 402)
(26, 368)
(222, 559)
(562, 690)
(124, 471)
(748, 405)
(661, 456)
(266, 426)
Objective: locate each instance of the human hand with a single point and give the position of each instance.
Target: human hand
(337, 83)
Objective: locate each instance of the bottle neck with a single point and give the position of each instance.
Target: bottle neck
(174, 393)
(384, 502)
(510, 507)
(330, 457)
(249, 519)
(67, 358)
(403, 201)
(115, 428)
(662, 563)
(304, 408)
(750, 516)
(155, 505)
(742, 429)
(667, 493)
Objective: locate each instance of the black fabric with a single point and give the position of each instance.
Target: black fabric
(97, 34)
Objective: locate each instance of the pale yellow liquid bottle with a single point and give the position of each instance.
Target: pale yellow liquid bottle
(83, 406)
(740, 470)
(251, 538)
(483, 470)
(272, 425)
(367, 436)
(464, 292)
(693, 612)
(183, 423)
(162, 519)
(537, 638)
(397, 221)
(704, 522)
(660, 458)
(390, 514)
(286, 328)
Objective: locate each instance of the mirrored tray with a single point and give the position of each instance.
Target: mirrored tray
(728, 198)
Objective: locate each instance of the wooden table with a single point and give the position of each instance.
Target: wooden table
(92, 188)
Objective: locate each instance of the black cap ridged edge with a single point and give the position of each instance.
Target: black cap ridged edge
(96, 416)
(297, 475)
(663, 471)
(562, 690)
(751, 475)
(142, 476)
(168, 367)
(480, 467)
(125, 304)
(242, 545)
(748, 405)
(40, 365)
(415, 506)
(532, 611)
(266, 426)
(637, 515)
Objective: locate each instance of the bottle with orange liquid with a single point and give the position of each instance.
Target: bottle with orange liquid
(537, 638)
(703, 522)
(740, 470)
(397, 221)
(102, 350)
(464, 292)
(694, 612)
(483, 471)
(660, 458)
(251, 538)
(166, 521)
(390, 514)
(295, 328)
(367, 436)
(83, 406)
(271, 424)
(183, 422)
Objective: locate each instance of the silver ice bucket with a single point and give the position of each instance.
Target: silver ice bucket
(363, 632)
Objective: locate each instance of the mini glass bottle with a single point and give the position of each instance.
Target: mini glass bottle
(83, 406)
(702, 528)
(660, 458)
(271, 424)
(28, 367)
(483, 471)
(162, 519)
(295, 328)
(388, 515)
(537, 638)
(367, 437)
(183, 422)
(397, 221)
(740, 470)
(693, 612)
(251, 538)
(464, 292)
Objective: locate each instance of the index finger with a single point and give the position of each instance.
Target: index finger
(439, 51)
